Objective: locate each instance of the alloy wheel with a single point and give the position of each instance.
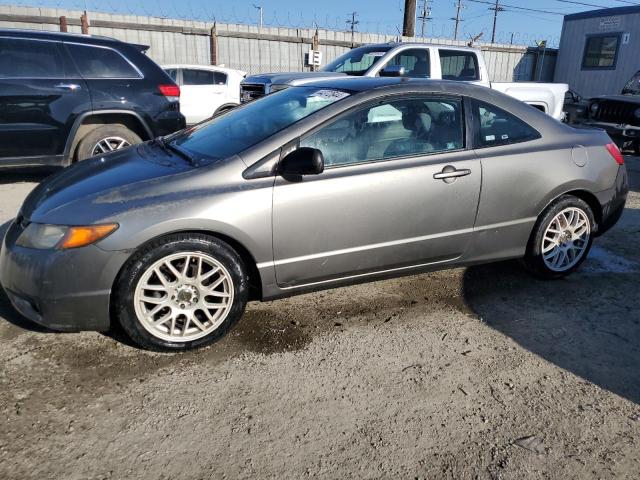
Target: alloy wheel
(566, 239)
(183, 296)
(109, 144)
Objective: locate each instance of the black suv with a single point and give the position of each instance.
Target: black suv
(66, 97)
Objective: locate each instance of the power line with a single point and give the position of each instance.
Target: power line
(457, 19)
(353, 22)
(496, 10)
(516, 7)
(425, 16)
(580, 3)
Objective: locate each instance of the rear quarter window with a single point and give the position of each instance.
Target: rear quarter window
(459, 65)
(197, 77)
(100, 62)
(495, 126)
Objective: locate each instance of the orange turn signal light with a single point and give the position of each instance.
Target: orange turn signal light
(82, 236)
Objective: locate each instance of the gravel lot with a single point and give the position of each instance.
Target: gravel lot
(469, 373)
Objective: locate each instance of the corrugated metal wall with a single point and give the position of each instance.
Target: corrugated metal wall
(244, 46)
(590, 83)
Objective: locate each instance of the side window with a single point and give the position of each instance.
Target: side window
(98, 62)
(173, 73)
(398, 128)
(197, 77)
(219, 78)
(459, 65)
(23, 58)
(497, 127)
(415, 62)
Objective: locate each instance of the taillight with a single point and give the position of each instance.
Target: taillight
(172, 92)
(615, 153)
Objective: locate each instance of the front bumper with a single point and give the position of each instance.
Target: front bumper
(66, 290)
(617, 130)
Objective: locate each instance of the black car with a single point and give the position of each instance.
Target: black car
(66, 97)
(619, 115)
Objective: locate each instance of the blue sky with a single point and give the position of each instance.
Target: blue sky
(379, 16)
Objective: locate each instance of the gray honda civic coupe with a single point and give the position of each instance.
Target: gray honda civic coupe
(313, 187)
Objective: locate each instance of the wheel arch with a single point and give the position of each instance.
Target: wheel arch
(579, 192)
(224, 107)
(90, 120)
(255, 280)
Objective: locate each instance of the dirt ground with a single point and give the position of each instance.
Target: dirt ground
(482, 372)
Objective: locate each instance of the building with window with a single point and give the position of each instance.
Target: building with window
(599, 50)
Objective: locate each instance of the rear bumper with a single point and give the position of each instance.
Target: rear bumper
(613, 201)
(66, 290)
(169, 122)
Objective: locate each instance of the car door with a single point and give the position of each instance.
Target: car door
(200, 95)
(113, 81)
(38, 101)
(399, 189)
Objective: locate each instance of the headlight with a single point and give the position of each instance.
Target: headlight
(277, 88)
(594, 108)
(41, 236)
(37, 235)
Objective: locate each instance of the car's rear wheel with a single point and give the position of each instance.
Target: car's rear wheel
(182, 292)
(105, 139)
(561, 239)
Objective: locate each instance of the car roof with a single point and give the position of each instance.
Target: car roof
(213, 68)
(64, 36)
(419, 44)
(361, 84)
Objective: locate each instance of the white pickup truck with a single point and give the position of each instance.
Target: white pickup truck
(415, 60)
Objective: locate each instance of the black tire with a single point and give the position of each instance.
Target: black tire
(533, 260)
(123, 302)
(90, 140)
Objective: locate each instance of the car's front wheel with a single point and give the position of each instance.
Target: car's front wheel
(181, 292)
(561, 239)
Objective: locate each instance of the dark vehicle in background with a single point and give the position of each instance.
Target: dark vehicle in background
(575, 107)
(619, 115)
(66, 97)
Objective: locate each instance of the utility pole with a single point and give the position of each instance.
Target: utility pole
(353, 22)
(457, 19)
(495, 9)
(425, 16)
(259, 8)
(409, 25)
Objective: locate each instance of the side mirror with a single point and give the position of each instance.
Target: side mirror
(303, 161)
(393, 71)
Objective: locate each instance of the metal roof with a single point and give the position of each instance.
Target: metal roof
(603, 12)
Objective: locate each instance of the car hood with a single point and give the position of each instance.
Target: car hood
(290, 78)
(116, 177)
(619, 98)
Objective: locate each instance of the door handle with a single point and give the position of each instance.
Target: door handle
(450, 173)
(68, 86)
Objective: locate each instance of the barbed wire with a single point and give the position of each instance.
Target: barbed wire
(187, 10)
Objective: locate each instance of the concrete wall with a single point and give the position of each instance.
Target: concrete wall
(575, 31)
(253, 49)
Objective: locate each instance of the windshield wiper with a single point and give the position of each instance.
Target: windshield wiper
(173, 150)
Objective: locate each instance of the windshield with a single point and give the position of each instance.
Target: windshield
(246, 126)
(358, 60)
(633, 86)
